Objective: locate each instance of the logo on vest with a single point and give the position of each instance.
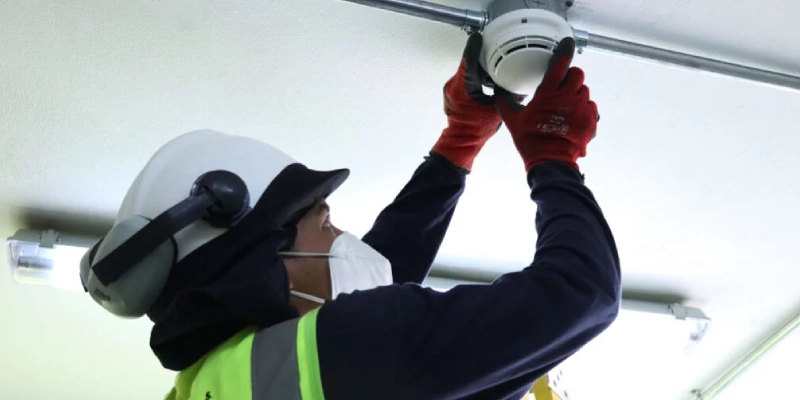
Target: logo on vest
(208, 396)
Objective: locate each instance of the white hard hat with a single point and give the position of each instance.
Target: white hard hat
(191, 191)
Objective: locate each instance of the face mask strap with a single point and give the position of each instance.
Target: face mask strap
(308, 297)
(302, 295)
(303, 254)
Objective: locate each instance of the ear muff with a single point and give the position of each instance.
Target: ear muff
(126, 271)
(135, 291)
(230, 191)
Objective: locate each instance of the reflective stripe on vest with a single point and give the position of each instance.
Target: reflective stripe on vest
(280, 362)
(308, 358)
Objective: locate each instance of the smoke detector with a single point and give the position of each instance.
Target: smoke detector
(519, 41)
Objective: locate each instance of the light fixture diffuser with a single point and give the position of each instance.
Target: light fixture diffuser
(47, 258)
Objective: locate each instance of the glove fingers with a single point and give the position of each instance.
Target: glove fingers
(448, 105)
(594, 114)
(473, 48)
(592, 106)
(559, 65)
(584, 94)
(507, 103)
(574, 80)
(472, 70)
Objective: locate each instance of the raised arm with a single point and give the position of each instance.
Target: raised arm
(410, 230)
(479, 341)
(490, 341)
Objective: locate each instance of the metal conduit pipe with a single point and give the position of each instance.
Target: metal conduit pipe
(462, 18)
(472, 20)
(674, 58)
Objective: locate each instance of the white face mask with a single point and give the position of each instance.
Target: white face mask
(354, 266)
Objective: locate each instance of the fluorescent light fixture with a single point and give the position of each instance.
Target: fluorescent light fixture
(442, 284)
(770, 375)
(47, 258)
(692, 322)
(627, 360)
(53, 258)
(767, 371)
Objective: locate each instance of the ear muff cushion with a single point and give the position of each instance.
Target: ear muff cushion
(86, 263)
(137, 289)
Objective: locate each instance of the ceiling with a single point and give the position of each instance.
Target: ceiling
(695, 173)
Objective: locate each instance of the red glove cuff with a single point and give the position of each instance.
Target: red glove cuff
(550, 154)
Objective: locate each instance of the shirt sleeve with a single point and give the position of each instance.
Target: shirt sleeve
(481, 341)
(410, 230)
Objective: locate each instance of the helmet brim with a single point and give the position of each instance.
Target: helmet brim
(296, 189)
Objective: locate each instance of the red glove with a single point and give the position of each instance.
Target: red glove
(559, 121)
(471, 115)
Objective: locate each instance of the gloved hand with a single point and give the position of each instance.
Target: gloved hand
(471, 115)
(560, 119)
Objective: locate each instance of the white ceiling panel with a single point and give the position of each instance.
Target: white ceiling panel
(695, 173)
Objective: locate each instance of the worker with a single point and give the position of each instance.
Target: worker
(229, 247)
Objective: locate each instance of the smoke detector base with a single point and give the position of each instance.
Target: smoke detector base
(518, 45)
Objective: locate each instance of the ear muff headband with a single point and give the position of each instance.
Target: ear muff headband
(219, 197)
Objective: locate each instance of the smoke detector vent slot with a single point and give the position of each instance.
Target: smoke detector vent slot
(526, 42)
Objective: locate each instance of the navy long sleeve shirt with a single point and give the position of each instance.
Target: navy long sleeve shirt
(474, 341)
